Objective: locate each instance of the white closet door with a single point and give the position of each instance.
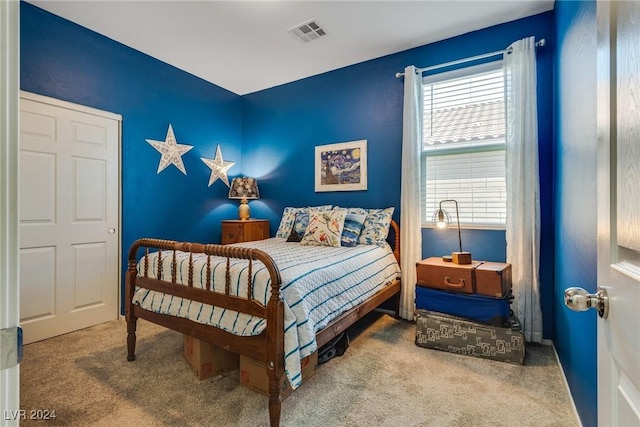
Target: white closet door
(69, 216)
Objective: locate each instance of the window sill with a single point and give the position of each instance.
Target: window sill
(488, 227)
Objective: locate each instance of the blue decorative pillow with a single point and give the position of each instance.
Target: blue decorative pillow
(301, 223)
(353, 224)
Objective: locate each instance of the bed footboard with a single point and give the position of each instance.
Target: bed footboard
(267, 347)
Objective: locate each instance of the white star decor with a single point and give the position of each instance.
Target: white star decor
(171, 151)
(218, 167)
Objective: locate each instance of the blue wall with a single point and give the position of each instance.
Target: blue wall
(66, 61)
(282, 125)
(575, 199)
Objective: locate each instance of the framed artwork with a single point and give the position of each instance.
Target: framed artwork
(341, 167)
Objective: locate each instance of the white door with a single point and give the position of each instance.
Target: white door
(9, 316)
(68, 216)
(619, 212)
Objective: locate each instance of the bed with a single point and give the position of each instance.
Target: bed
(273, 300)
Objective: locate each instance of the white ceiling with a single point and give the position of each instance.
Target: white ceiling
(244, 46)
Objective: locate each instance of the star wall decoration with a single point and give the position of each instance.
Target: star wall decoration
(171, 151)
(219, 167)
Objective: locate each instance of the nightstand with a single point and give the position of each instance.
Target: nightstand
(238, 231)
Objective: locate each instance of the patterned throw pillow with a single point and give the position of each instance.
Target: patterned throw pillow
(325, 228)
(289, 216)
(376, 226)
(353, 224)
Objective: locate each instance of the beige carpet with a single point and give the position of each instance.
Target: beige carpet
(383, 379)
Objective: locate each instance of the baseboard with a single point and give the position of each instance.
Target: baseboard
(566, 383)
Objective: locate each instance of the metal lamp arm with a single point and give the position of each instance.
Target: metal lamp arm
(457, 219)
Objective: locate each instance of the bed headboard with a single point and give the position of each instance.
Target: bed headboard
(394, 239)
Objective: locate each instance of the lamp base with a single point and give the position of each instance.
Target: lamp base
(243, 211)
(461, 257)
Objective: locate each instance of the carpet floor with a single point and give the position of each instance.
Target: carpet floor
(383, 379)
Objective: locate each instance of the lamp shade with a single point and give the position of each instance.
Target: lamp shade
(244, 188)
(442, 219)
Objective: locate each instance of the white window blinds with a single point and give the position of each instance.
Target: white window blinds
(464, 144)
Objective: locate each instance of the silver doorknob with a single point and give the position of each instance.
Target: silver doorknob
(577, 299)
(112, 231)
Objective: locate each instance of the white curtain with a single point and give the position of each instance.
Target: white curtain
(523, 193)
(410, 221)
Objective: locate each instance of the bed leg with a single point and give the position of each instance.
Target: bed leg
(397, 304)
(131, 339)
(275, 406)
(275, 403)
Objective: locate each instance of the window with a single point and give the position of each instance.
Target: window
(463, 155)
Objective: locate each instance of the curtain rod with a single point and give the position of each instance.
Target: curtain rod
(539, 43)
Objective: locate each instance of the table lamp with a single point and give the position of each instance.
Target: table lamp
(442, 219)
(244, 188)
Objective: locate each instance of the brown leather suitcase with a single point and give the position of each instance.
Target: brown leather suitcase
(438, 274)
(493, 278)
(479, 277)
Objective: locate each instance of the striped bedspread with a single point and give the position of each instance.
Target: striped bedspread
(318, 284)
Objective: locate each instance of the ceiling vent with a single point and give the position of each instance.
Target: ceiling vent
(307, 31)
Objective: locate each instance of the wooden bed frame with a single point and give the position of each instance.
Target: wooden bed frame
(268, 346)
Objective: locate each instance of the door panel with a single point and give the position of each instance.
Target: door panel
(89, 274)
(89, 189)
(37, 188)
(90, 133)
(37, 126)
(628, 128)
(37, 283)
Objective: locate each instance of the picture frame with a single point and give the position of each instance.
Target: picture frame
(341, 166)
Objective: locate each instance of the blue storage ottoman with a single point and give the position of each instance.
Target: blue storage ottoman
(478, 308)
